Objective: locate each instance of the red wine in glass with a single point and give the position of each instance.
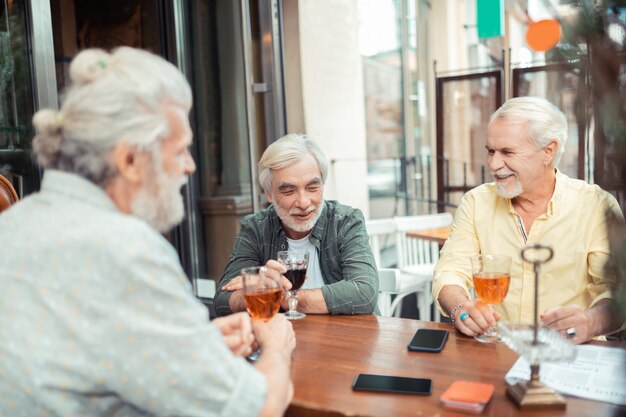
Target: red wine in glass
(296, 276)
(296, 263)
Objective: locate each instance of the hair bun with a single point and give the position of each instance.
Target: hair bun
(88, 65)
(47, 142)
(47, 122)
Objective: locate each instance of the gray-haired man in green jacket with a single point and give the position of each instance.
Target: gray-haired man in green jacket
(342, 277)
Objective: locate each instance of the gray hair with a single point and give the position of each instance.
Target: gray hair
(286, 151)
(545, 121)
(114, 97)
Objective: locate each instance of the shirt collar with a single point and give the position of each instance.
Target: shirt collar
(561, 179)
(320, 225)
(76, 187)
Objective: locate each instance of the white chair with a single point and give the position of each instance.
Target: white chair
(388, 284)
(416, 261)
(380, 232)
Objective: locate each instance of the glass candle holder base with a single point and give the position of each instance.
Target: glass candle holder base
(550, 347)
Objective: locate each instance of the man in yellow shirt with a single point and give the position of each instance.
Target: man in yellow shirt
(531, 202)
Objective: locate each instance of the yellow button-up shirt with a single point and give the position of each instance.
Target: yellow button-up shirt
(574, 226)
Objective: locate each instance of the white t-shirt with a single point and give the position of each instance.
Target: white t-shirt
(314, 273)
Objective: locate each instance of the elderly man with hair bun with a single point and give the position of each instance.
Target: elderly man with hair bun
(342, 277)
(98, 318)
(532, 202)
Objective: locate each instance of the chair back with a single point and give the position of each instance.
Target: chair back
(8, 195)
(380, 231)
(412, 251)
(388, 280)
(388, 284)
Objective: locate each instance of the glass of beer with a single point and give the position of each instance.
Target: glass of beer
(297, 264)
(262, 293)
(491, 275)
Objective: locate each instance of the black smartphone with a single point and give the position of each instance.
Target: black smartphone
(428, 340)
(393, 384)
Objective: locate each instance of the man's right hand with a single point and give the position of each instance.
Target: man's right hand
(234, 284)
(273, 270)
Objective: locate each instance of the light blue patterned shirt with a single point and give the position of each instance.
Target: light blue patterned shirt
(97, 317)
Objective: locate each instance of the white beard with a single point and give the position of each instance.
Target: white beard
(509, 193)
(504, 190)
(300, 227)
(159, 202)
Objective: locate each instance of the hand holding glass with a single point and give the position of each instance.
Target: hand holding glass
(261, 293)
(491, 275)
(297, 264)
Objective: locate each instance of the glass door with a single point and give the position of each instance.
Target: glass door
(17, 101)
(464, 105)
(564, 85)
(235, 59)
(147, 24)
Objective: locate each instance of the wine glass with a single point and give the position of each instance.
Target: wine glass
(297, 264)
(491, 275)
(262, 295)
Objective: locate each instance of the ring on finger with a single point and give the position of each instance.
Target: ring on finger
(571, 332)
(464, 315)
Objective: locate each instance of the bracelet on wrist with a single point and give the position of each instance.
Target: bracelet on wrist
(454, 311)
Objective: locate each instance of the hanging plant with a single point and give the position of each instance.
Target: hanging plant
(599, 32)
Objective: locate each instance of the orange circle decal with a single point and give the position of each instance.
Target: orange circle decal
(543, 35)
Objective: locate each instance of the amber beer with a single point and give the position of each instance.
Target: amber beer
(491, 287)
(263, 304)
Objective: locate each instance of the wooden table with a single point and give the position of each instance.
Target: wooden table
(332, 350)
(438, 235)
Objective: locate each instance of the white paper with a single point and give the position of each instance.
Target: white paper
(598, 373)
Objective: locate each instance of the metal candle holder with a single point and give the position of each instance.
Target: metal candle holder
(533, 393)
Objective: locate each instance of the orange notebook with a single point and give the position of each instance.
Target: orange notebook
(468, 396)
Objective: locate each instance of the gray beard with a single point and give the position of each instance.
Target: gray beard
(299, 227)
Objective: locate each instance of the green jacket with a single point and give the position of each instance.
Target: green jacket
(346, 260)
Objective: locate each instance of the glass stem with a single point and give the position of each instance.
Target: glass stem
(293, 300)
(492, 330)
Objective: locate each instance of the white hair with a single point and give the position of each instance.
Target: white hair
(545, 121)
(286, 151)
(114, 97)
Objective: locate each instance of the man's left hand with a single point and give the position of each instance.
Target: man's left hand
(237, 331)
(572, 322)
